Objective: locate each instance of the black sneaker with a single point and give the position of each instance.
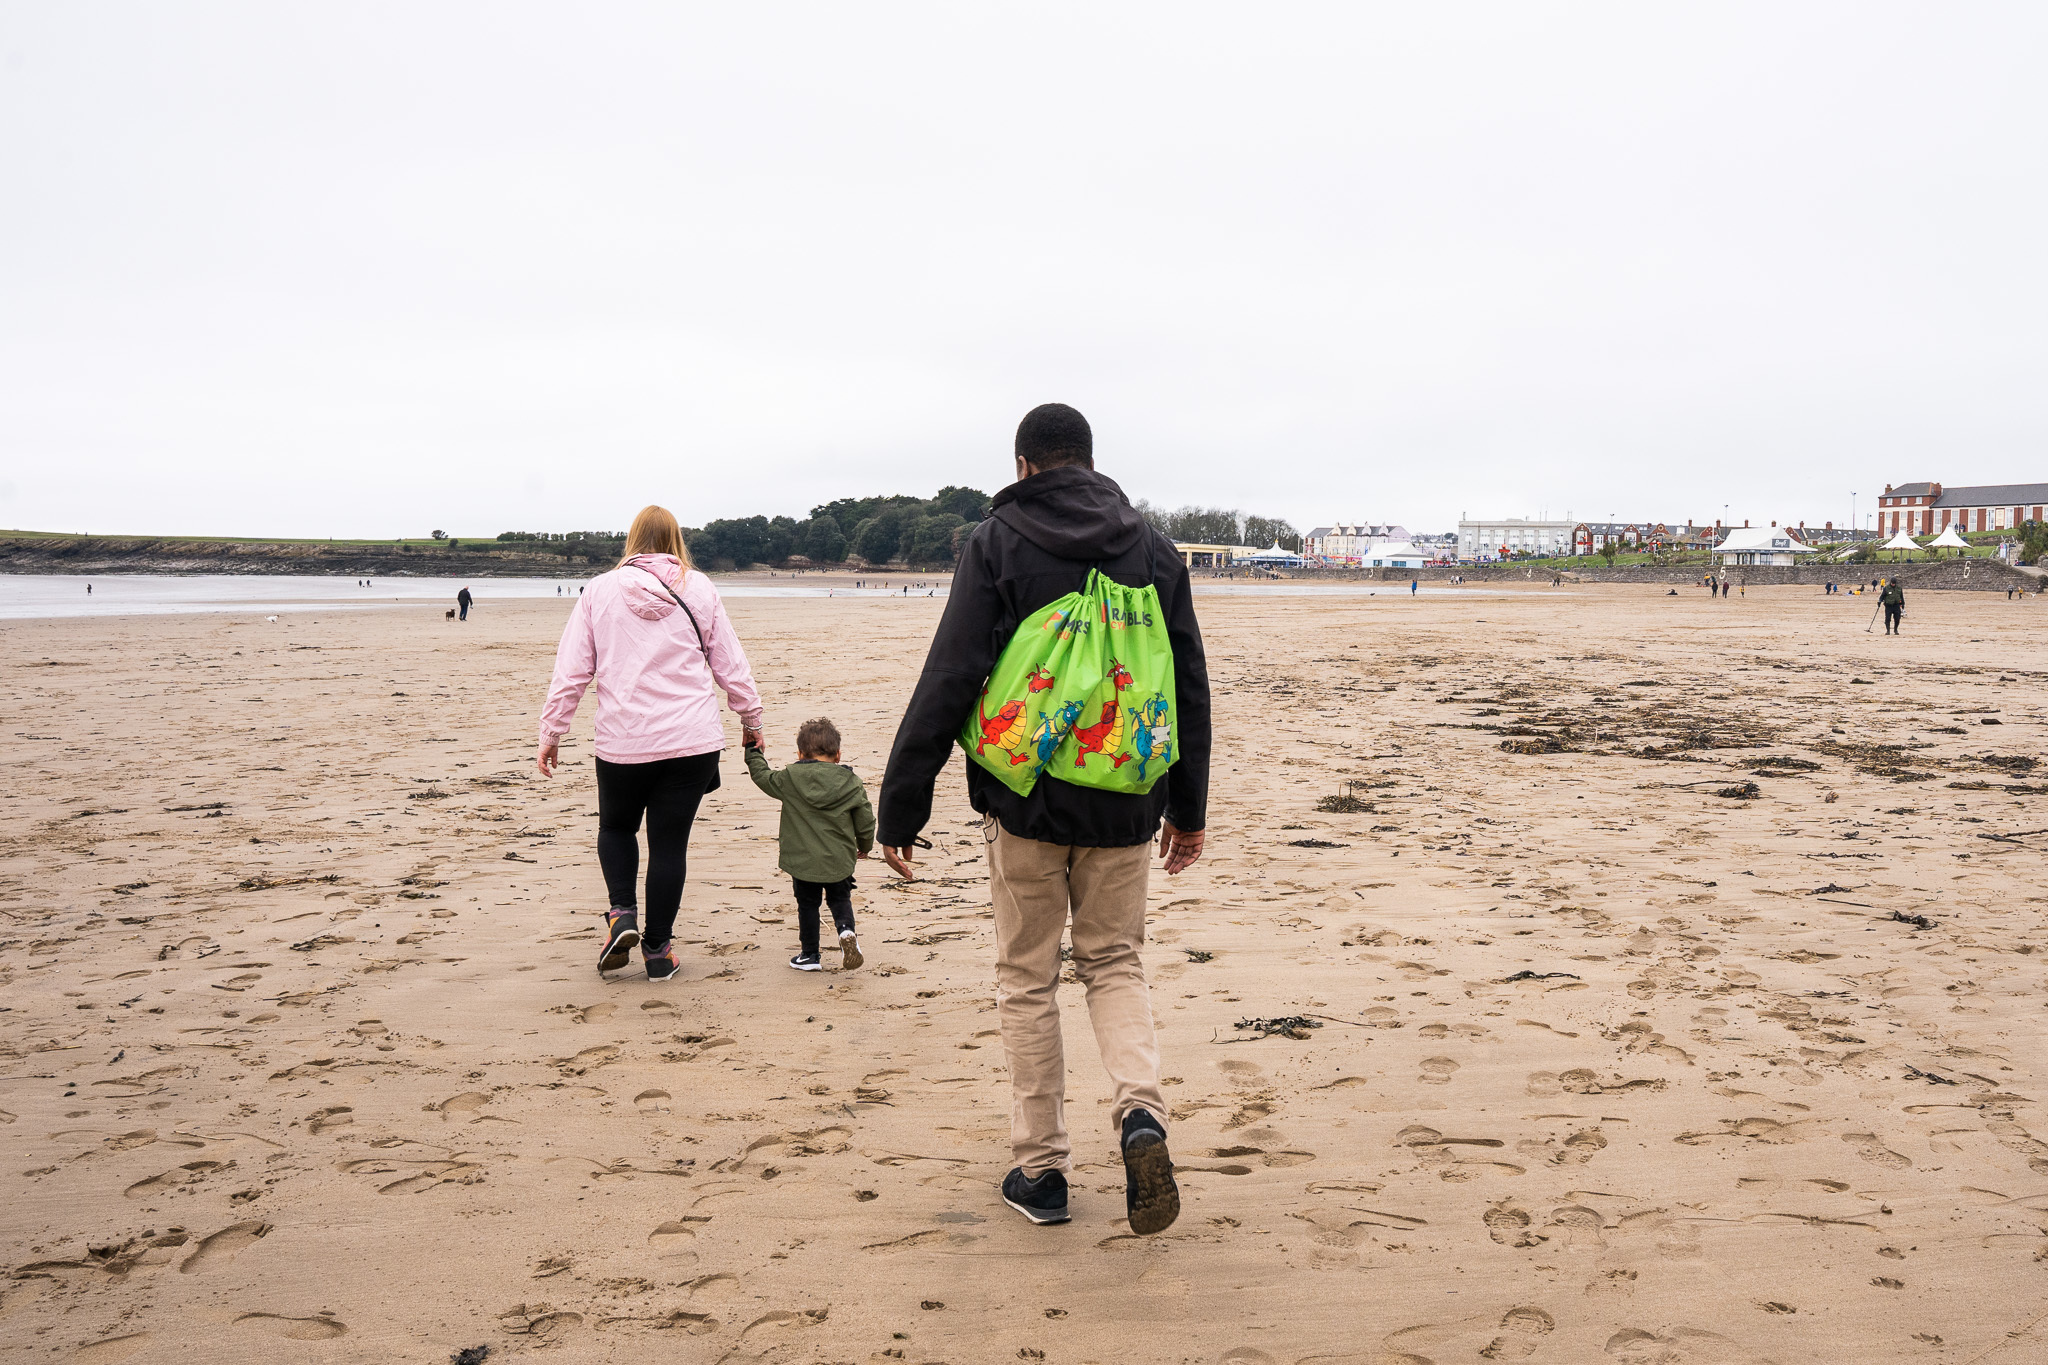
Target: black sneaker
(621, 933)
(807, 962)
(1149, 1190)
(1041, 1198)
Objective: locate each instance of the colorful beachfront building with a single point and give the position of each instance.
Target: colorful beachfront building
(1350, 543)
(1591, 537)
(1924, 509)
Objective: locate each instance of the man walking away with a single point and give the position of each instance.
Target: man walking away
(1893, 599)
(1062, 849)
(463, 599)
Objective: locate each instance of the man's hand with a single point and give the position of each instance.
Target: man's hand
(1180, 850)
(900, 859)
(550, 755)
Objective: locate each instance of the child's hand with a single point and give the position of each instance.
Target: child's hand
(862, 854)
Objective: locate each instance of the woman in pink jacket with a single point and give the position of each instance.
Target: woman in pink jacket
(655, 636)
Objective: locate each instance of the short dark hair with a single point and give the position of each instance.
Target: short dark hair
(816, 738)
(1053, 434)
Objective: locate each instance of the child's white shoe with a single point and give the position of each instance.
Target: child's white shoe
(849, 951)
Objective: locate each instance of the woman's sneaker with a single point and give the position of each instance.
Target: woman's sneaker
(1041, 1198)
(807, 962)
(661, 962)
(1150, 1194)
(849, 951)
(621, 932)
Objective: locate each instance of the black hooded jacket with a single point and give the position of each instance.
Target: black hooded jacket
(1042, 536)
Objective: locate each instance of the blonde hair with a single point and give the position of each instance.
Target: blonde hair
(655, 532)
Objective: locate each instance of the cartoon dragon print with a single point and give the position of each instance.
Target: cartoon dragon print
(1053, 727)
(1039, 680)
(1005, 729)
(1107, 734)
(1152, 735)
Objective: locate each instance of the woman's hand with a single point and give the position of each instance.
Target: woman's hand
(753, 739)
(550, 755)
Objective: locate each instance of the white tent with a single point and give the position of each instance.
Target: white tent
(1948, 540)
(1899, 541)
(1276, 555)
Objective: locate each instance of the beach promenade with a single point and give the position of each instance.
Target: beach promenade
(1646, 979)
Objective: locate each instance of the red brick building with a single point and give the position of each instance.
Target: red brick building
(1923, 509)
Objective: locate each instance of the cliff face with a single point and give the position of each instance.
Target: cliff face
(115, 555)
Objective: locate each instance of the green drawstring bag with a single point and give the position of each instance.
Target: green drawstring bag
(1084, 693)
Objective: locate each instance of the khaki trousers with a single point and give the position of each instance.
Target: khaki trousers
(1035, 887)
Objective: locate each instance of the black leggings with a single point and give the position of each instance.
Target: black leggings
(667, 791)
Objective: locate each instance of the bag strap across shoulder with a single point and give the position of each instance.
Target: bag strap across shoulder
(676, 597)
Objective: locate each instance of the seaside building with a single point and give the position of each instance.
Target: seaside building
(1211, 556)
(1771, 544)
(1590, 537)
(1348, 544)
(1397, 554)
(1922, 509)
(1504, 537)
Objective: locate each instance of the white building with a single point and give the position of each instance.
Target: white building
(1502, 537)
(1761, 545)
(1347, 544)
(1396, 554)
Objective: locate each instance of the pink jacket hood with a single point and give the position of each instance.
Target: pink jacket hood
(657, 686)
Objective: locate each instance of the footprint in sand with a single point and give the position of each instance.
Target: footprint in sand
(334, 1116)
(468, 1102)
(107, 1351)
(181, 1175)
(1577, 1226)
(674, 1237)
(1876, 1153)
(652, 1102)
(1677, 1346)
(1437, 1070)
(1509, 1226)
(223, 1246)
(1520, 1331)
(590, 1059)
(1245, 1355)
(319, 1327)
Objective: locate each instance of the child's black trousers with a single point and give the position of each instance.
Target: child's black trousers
(839, 895)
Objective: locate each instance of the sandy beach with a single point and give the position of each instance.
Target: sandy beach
(1666, 980)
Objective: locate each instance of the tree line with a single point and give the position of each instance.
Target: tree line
(926, 532)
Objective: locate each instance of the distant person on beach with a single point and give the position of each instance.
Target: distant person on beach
(654, 635)
(88, 590)
(826, 825)
(1062, 850)
(1415, 585)
(463, 600)
(1893, 600)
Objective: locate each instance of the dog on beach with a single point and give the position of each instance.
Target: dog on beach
(451, 613)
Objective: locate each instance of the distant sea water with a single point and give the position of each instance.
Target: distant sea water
(32, 596)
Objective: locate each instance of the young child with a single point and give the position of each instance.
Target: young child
(826, 824)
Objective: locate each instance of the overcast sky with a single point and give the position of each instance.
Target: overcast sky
(369, 270)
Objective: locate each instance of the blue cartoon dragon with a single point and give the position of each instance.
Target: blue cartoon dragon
(1053, 728)
(1151, 732)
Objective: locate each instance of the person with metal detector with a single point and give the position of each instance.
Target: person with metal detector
(1893, 601)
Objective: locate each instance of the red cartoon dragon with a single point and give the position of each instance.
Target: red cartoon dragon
(1040, 680)
(1106, 735)
(1005, 729)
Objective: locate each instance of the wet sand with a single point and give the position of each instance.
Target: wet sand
(303, 1056)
